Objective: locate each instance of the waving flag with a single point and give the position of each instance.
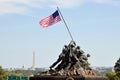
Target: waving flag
(50, 20)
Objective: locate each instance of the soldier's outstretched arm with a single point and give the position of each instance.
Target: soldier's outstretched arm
(58, 60)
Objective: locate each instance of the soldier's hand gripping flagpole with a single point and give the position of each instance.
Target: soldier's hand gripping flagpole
(65, 23)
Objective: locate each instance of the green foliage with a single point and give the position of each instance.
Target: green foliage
(115, 75)
(16, 73)
(1, 71)
(117, 67)
(25, 72)
(2, 76)
(13, 74)
(112, 76)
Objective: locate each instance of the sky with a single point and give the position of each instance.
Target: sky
(94, 25)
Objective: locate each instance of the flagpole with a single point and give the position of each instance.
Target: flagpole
(65, 24)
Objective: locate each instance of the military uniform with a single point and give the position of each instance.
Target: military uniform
(62, 58)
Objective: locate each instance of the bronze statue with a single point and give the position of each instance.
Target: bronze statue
(72, 58)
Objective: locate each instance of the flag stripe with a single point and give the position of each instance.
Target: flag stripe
(50, 20)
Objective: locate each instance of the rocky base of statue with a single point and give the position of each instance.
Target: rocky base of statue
(73, 72)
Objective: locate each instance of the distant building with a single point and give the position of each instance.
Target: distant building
(103, 69)
(41, 69)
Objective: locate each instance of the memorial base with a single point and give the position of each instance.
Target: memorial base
(67, 78)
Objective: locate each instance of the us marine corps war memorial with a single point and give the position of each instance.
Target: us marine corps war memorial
(72, 62)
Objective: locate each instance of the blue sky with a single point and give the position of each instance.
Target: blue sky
(94, 25)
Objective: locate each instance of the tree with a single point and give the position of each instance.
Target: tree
(1, 71)
(115, 75)
(1, 74)
(112, 76)
(117, 67)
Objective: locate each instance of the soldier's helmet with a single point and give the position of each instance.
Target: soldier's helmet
(78, 47)
(65, 49)
(82, 52)
(88, 55)
(72, 44)
(65, 46)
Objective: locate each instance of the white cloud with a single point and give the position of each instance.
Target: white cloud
(8, 8)
(110, 2)
(68, 3)
(23, 6)
(101, 1)
(19, 6)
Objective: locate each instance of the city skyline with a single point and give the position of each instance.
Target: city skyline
(94, 25)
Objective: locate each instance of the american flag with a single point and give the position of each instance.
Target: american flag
(50, 20)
